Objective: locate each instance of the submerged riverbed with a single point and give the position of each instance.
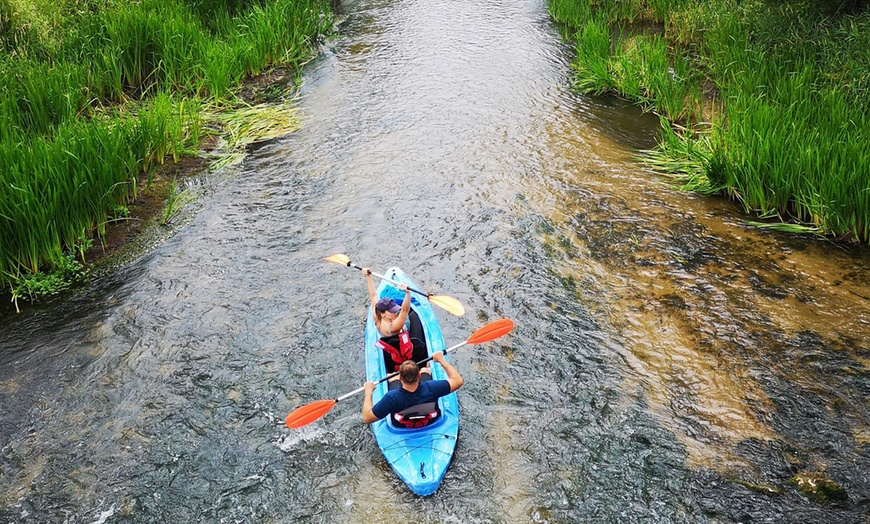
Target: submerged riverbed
(669, 364)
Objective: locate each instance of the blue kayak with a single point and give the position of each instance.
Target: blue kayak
(419, 456)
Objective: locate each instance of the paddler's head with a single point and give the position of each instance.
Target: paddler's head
(388, 307)
(409, 373)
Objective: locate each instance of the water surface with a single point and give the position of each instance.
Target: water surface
(670, 364)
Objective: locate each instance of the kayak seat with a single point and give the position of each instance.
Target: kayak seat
(418, 353)
(415, 416)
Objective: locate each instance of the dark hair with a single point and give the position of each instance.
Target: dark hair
(409, 372)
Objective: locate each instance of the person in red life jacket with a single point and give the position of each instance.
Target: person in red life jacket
(389, 317)
(401, 331)
(416, 389)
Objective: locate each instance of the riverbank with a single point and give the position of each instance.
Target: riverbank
(765, 104)
(103, 101)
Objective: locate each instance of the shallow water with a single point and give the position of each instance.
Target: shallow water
(666, 358)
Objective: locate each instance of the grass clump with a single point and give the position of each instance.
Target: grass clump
(66, 272)
(765, 102)
(94, 94)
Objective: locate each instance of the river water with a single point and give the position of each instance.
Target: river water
(669, 364)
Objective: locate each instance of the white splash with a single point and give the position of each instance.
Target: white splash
(290, 440)
(104, 515)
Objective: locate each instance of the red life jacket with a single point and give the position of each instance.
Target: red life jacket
(404, 351)
(417, 416)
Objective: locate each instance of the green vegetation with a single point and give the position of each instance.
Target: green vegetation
(766, 102)
(96, 93)
(66, 272)
(175, 200)
(817, 487)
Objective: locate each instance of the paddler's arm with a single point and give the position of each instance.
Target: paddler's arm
(399, 323)
(367, 415)
(453, 376)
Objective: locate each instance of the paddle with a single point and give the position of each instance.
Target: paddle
(308, 413)
(449, 304)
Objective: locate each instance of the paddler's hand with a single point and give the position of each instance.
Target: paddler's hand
(369, 387)
(438, 357)
(366, 271)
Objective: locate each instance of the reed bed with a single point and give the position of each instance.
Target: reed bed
(786, 134)
(94, 93)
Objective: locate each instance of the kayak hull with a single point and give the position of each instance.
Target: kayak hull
(419, 456)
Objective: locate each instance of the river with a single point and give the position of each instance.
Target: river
(669, 364)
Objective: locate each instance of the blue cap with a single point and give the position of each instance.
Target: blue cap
(387, 304)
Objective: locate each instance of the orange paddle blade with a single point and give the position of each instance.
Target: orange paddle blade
(302, 416)
(448, 304)
(338, 258)
(491, 331)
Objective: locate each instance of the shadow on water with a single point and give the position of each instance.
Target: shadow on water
(669, 364)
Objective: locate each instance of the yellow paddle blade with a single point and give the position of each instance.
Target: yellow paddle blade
(302, 416)
(491, 331)
(448, 304)
(338, 258)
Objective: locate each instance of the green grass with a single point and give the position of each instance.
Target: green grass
(786, 134)
(175, 200)
(96, 93)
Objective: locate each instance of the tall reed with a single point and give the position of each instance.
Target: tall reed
(93, 93)
(787, 132)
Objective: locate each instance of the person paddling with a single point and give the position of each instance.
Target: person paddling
(417, 389)
(401, 331)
